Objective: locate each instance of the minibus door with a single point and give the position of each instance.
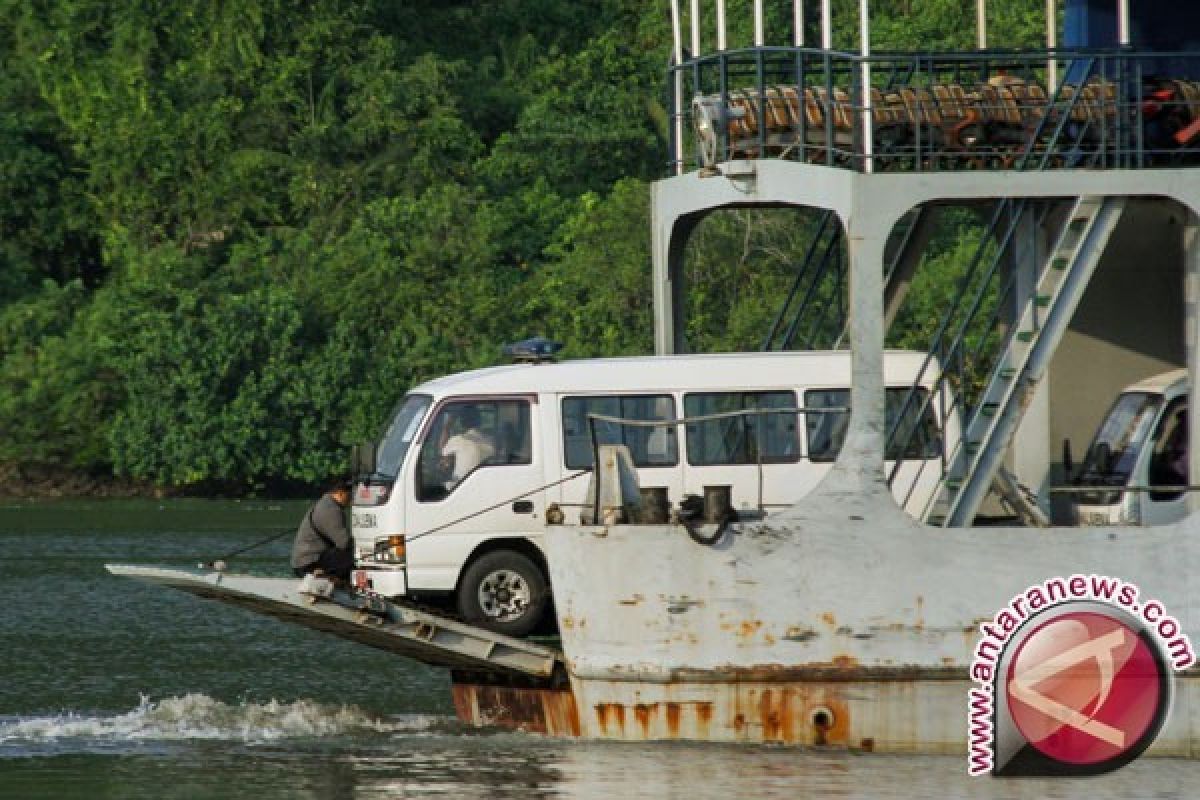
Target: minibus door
(477, 477)
(1167, 466)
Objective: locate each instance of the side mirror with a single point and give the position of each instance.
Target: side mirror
(1067, 461)
(1104, 457)
(362, 459)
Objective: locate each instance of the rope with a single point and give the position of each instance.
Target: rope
(221, 559)
(492, 507)
(213, 564)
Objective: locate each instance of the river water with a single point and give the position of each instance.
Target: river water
(113, 689)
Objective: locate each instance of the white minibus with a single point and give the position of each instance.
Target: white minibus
(1135, 470)
(470, 466)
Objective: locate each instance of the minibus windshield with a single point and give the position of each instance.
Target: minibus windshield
(1114, 452)
(401, 430)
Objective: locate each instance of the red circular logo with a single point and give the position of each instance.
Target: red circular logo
(1085, 688)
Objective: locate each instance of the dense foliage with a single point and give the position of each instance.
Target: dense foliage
(235, 232)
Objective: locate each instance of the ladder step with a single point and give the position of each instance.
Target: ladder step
(954, 484)
(1026, 336)
(1060, 263)
(1041, 300)
(1008, 373)
(972, 447)
(988, 409)
(1078, 223)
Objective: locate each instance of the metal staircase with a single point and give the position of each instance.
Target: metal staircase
(820, 278)
(973, 465)
(975, 462)
(817, 287)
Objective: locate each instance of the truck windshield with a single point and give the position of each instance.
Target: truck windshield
(394, 443)
(1114, 452)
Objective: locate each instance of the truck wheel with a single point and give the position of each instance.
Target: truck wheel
(504, 592)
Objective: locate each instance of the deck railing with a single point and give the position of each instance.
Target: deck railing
(1099, 109)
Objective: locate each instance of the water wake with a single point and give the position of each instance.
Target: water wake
(198, 716)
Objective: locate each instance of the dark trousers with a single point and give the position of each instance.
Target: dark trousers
(335, 563)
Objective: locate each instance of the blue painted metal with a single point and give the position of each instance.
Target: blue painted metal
(1158, 26)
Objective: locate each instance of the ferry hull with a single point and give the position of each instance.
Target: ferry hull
(867, 713)
(844, 623)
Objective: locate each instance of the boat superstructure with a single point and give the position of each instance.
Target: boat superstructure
(845, 620)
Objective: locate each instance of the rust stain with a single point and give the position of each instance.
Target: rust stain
(463, 702)
(641, 713)
(867, 745)
(568, 712)
(739, 722)
(769, 717)
(749, 627)
(704, 712)
(673, 711)
(632, 601)
(843, 669)
(611, 715)
(568, 623)
(839, 732)
(787, 711)
(533, 710)
(828, 618)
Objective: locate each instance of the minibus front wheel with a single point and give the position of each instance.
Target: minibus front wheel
(503, 591)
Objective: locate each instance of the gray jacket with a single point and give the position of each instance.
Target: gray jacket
(325, 517)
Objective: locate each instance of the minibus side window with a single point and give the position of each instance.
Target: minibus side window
(470, 435)
(826, 431)
(741, 439)
(917, 433)
(650, 446)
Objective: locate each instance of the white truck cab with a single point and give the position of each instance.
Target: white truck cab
(471, 465)
(1135, 471)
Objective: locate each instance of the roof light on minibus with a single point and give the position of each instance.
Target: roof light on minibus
(535, 350)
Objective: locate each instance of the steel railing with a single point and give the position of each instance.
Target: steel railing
(937, 111)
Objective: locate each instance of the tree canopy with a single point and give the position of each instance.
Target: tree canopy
(236, 232)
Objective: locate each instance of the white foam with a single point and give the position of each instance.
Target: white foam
(197, 716)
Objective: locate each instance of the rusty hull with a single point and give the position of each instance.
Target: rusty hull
(529, 709)
(842, 622)
(890, 711)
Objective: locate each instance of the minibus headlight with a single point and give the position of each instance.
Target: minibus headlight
(390, 549)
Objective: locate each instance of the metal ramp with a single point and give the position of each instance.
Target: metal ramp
(975, 463)
(367, 619)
